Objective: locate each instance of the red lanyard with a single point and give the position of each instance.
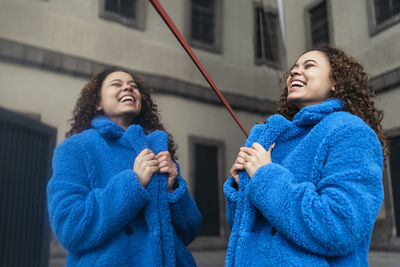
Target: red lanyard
(196, 61)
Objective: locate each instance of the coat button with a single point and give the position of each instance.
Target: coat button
(273, 231)
(128, 230)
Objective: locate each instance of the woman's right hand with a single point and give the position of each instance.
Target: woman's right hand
(145, 166)
(237, 166)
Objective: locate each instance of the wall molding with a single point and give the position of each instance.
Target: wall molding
(31, 56)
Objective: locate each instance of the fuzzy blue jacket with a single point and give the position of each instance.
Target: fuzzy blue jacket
(101, 213)
(316, 204)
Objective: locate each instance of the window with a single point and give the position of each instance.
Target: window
(204, 21)
(266, 37)
(383, 14)
(127, 12)
(318, 24)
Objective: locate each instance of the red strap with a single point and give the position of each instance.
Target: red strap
(196, 61)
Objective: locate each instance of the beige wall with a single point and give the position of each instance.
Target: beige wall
(31, 90)
(74, 27)
(53, 96)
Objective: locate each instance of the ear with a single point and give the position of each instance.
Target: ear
(333, 88)
(99, 107)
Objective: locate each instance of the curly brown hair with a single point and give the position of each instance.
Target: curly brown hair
(351, 84)
(85, 109)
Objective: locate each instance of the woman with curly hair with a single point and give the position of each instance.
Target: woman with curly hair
(307, 186)
(116, 197)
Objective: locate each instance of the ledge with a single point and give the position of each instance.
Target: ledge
(23, 54)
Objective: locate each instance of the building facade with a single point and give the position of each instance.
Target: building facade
(49, 49)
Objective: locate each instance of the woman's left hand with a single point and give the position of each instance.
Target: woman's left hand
(255, 157)
(166, 165)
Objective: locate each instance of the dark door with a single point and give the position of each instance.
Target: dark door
(206, 187)
(395, 178)
(26, 147)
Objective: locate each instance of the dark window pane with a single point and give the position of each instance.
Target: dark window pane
(382, 10)
(206, 188)
(319, 24)
(395, 178)
(204, 3)
(203, 21)
(266, 35)
(386, 9)
(128, 8)
(396, 7)
(112, 5)
(125, 8)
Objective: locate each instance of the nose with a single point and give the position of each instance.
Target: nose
(127, 88)
(294, 72)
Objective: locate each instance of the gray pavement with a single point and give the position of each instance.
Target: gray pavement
(217, 258)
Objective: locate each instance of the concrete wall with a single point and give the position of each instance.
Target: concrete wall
(74, 27)
(73, 30)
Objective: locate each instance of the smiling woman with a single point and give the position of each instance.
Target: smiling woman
(309, 82)
(116, 197)
(120, 98)
(307, 186)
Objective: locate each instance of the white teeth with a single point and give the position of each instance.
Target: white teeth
(297, 83)
(127, 98)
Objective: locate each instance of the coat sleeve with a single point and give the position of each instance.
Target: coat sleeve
(231, 194)
(185, 216)
(84, 218)
(333, 215)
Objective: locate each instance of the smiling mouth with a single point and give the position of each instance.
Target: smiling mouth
(297, 84)
(128, 98)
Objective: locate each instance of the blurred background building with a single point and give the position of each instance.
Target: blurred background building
(50, 48)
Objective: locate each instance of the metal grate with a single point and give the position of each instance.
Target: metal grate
(25, 150)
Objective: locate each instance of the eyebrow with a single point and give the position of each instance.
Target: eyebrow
(119, 80)
(305, 62)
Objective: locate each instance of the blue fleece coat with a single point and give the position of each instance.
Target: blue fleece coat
(316, 204)
(101, 213)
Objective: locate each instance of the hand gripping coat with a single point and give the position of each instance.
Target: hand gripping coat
(101, 213)
(316, 203)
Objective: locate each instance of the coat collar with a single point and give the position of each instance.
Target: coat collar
(277, 125)
(107, 128)
(313, 114)
(157, 140)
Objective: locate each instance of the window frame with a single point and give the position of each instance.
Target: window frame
(374, 28)
(308, 21)
(137, 23)
(217, 46)
(278, 52)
